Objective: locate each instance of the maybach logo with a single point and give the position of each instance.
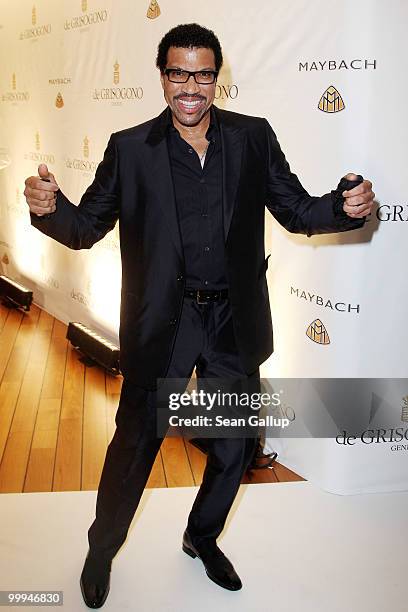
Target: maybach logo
(86, 19)
(117, 94)
(318, 300)
(317, 332)
(154, 10)
(36, 30)
(14, 95)
(59, 100)
(355, 64)
(331, 101)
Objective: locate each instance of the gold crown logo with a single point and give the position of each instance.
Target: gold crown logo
(37, 141)
(59, 101)
(13, 82)
(84, 5)
(317, 332)
(34, 16)
(116, 75)
(86, 147)
(404, 414)
(331, 101)
(154, 10)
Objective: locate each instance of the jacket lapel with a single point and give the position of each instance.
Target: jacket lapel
(232, 139)
(162, 178)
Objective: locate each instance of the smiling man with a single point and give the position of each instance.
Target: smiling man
(189, 189)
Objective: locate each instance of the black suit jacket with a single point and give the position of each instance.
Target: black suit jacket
(133, 183)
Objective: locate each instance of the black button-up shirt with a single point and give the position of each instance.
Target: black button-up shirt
(198, 193)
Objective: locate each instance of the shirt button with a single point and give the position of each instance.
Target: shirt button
(207, 248)
(205, 282)
(173, 321)
(190, 150)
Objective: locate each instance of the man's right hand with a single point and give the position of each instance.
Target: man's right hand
(41, 195)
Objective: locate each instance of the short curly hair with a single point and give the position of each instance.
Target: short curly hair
(186, 36)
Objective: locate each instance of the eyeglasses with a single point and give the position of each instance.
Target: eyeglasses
(202, 77)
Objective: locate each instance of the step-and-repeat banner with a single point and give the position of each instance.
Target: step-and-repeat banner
(331, 80)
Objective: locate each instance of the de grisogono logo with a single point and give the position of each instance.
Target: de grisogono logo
(18, 207)
(87, 18)
(36, 30)
(38, 156)
(226, 91)
(154, 10)
(404, 409)
(83, 164)
(14, 95)
(392, 212)
(117, 95)
(317, 332)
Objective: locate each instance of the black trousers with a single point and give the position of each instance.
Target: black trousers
(205, 340)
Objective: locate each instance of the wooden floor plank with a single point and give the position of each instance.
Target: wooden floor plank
(8, 337)
(15, 457)
(176, 464)
(197, 460)
(284, 474)
(58, 416)
(94, 440)
(68, 458)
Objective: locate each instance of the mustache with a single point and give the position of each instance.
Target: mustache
(192, 96)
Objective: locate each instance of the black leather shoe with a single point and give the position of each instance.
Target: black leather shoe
(219, 569)
(95, 581)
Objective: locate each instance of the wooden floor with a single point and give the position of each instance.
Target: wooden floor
(57, 416)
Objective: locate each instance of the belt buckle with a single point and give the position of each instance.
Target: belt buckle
(198, 298)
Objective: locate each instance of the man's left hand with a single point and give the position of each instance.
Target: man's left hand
(359, 201)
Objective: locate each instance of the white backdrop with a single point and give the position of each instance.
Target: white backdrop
(60, 63)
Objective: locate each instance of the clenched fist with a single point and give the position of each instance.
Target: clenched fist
(41, 192)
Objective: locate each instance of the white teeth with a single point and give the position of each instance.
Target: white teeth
(190, 104)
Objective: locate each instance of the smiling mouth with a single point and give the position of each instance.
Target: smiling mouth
(190, 105)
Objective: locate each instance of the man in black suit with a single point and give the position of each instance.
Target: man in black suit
(189, 189)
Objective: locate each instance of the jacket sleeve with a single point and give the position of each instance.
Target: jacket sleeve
(290, 203)
(79, 227)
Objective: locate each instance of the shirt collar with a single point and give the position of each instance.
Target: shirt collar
(212, 129)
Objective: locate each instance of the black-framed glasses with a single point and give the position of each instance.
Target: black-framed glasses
(202, 77)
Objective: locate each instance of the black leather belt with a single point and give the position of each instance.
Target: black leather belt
(204, 296)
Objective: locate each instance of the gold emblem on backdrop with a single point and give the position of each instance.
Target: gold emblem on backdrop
(37, 141)
(13, 82)
(86, 147)
(59, 101)
(154, 10)
(317, 332)
(331, 101)
(116, 75)
(404, 414)
(34, 16)
(84, 5)
(5, 259)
